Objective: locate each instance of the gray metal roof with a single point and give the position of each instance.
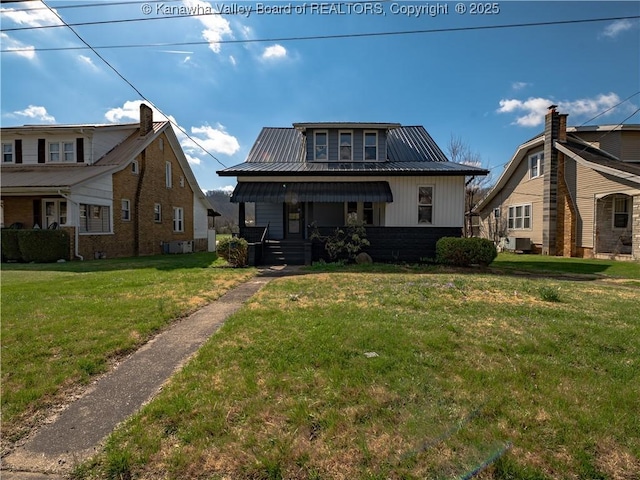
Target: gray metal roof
(410, 151)
(294, 192)
(48, 176)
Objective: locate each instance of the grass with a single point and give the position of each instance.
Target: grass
(402, 373)
(62, 324)
(580, 266)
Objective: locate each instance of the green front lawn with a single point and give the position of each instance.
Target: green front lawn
(395, 372)
(63, 323)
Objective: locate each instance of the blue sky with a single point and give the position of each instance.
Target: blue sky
(240, 72)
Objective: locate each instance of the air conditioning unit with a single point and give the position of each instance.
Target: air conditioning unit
(517, 244)
(178, 246)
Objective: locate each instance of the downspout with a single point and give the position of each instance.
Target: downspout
(77, 228)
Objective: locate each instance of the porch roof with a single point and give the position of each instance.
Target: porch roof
(323, 192)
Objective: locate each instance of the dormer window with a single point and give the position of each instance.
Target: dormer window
(61, 152)
(370, 146)
(346, 146)
(320, 145)
(536, 165)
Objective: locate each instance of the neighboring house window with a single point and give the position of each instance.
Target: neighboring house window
(94, 218)
(55, 213)
(178, 219)
(7, 153)
(157, 212)
(621, 211)
(371, 146)
(167, 171)
(425, 205)
(536, 165)
(62, 152)
(346, 147)
(320, 146)
(126, 210)
(161, 144)
(519, 217)
(135, 167)
(367, 213)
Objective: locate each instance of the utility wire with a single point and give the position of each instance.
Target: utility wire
(135, 89)
(85, 5)
(327, 37)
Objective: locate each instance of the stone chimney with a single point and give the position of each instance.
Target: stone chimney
(146, 119)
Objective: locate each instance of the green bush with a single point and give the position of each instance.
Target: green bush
(465, 251)
(10, 247)
(345, 243)
(39, 246)
(234, 250)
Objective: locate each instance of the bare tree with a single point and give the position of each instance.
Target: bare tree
(475, 186)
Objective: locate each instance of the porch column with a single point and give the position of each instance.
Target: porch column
(635, 226)
(242, 220)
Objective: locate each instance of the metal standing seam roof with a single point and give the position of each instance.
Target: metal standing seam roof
(49, 176)
(410, 151)
(294, 192)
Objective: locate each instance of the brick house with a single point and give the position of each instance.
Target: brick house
(393, 179)
(119, 190)
(570, 191)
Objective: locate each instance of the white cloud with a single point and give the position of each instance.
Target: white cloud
(30, 14)
(233, 60)
(214, 140)
(274, 52)
(216, 26)
(519, 85)
(228, 189)
(84, 60)
(531, 112)
(616, 28)
(26, 51)
(37, 113)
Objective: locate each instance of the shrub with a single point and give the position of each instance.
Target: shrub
(465, 251)
(344, 244)
(234, 250)
(39, 246)
(10, 247)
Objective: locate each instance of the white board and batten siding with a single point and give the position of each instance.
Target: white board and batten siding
(448, 202)
(200, 219)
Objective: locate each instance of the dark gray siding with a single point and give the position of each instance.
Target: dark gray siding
(357, 144)
(270, 213)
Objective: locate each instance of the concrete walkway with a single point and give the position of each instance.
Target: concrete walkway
(77, 432)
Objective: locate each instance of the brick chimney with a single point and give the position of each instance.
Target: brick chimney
(146, 119)
(550, 191)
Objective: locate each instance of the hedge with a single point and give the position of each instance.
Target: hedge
(465, 251)
(39, 246)
(234, 250)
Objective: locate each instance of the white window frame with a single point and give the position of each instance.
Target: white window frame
(425, 205)
(178, 219)
(126, 209)
(56, 214)
(64, 155)
(536, 165)
(326, 146)
(340, 133)
(517, 218)
(11, 152)
(168, 175)
(135, 167)
(627, 211)
(157, 212)
(364, 145)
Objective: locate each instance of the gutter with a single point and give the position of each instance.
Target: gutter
(77, 228)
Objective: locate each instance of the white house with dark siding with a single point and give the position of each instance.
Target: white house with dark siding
(393, 178)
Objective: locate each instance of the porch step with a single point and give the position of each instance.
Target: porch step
(284, 252)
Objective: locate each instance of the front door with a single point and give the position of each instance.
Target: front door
(293, 220)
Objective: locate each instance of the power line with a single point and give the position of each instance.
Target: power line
(326, 37)
(85, 5)
(135, 89)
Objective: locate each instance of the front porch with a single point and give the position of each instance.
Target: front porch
(617, 227)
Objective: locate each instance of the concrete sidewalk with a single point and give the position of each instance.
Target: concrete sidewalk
(76, 433)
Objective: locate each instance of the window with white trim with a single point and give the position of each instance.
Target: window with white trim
(321, 146)
(167, 172)
(55, 212)
(126, 210)
(157, 212)
(621, 211)
(95, 218)
(370, 146)
(7, 153)
(62, 152)
(536, 165)
(135, 167)
(425, 205)
(346, 146)
(519, 217)
(178, 219)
